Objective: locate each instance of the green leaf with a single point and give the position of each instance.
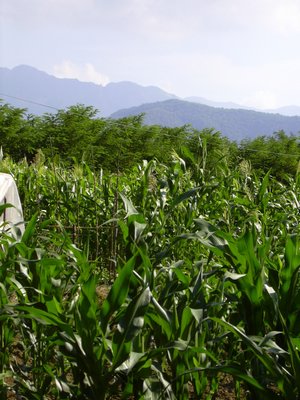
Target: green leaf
(270, 364)
(129, 325)
(293, 352)
(233, 276)
(198, 314)
(185, 196)
(130, 209)
(186, 319)
(182, 277)
(129, 364)
(44, 317)
(30, 229)
(118, 293)
(138, 229)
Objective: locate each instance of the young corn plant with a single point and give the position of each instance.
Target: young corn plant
(191, 299)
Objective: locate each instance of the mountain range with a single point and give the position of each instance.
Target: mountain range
(42, 89)
(39, 92)
(236, 124)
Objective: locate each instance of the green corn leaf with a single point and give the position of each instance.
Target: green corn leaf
(198, 314)
(269, 363)
(18, 285)
(131, 323)
(268, 337)
(185, 196)
(262, 194)
(185, 322)
(157, 322)
(138, 230)
(3, 207)
(54, 306)
(208, 235)
(130, 209)
(238, 372)
(118, 293)
(182, 277)
(233, 276)
(30, 229)
(129, 364)
(162, 312)
(289, 288)
(294, 353)
(44, 317)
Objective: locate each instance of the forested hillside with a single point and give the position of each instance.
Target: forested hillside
(236, 124)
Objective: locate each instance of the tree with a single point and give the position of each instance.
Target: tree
(279, 153)
(21, 134)
(70, 133)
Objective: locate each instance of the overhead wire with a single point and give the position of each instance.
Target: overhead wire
(29, 101)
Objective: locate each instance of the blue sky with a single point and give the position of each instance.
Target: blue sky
(224, 50)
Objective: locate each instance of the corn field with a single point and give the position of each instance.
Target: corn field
(154, 284)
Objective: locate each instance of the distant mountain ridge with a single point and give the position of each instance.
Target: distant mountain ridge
(37, 86)
(236, 124)
(28, 83)
(217, 104)
(286, 110)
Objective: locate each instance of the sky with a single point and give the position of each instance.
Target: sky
(241, 51)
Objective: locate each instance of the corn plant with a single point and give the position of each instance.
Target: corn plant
(200, 264)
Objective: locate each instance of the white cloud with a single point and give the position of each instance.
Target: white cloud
(85, 72)
(285, 17)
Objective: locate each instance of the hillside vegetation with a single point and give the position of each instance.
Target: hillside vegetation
(78, 133)
(157, 265)
(236, 124)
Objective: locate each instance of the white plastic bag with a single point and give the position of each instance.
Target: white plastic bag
(12, 216)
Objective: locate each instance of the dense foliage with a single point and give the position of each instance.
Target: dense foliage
(77, 133)
(156, 280)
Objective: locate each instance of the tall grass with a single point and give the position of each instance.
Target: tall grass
(151, 284)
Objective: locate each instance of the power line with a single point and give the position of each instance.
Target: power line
(29, 101)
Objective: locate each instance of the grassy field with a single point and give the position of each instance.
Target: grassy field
(166, 282)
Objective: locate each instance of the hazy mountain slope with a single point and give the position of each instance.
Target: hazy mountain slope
(233, 123)
(286, 110)
(31, 84)
(218, 104)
